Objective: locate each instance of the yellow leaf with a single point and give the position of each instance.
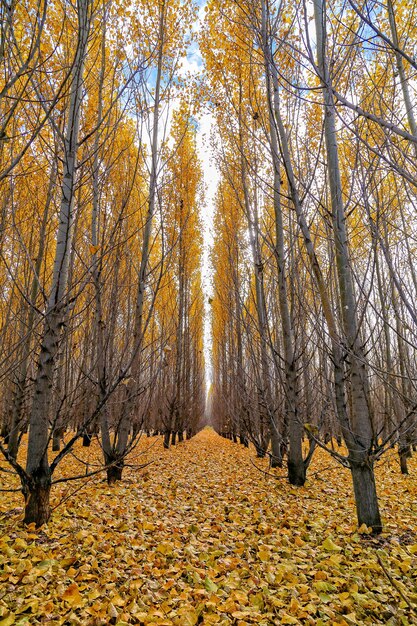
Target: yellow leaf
(330, 546)
(212, 618)
(7, 621)
(137, 583)
(31, 527)
(117, 601)
(288, 619)
(93, 595)
(72, 595)
(264, 555)
(32, 606)
(68, 561)
(189, 618)
(240, 597)
(210, 585)
(240, 614)
(165, 548)
(335, 559)
(257, 601)
(229, 606)
(94, 249)
(20, 544)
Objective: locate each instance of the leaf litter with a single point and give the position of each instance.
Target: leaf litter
(202, 537)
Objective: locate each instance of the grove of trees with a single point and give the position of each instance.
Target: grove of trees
(102, 306)
(314, 323)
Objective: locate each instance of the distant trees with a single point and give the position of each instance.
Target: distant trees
(183, 320)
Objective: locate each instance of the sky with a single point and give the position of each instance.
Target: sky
(193, 64)
(211, 177)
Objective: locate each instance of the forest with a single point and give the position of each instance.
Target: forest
(208, 323)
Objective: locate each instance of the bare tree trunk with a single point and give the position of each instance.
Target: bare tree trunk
(178, 397)
(296, 467)
(360, 457)
(123, 429)
(392, 391)
(99, 324)
(21, 379)
(264, 394)
(361, 489)
(167, 438)
(401, 72)
(61, 376)
(36, 489)
(404, 423)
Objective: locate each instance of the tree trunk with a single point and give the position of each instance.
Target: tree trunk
(409, 108)
(37, 466)
(366, 500)
(260, 447)
(98, 353)
(56, 438)
(264, 393)
(36, 493)
(404, 453)
(130, 401)
(361, 419)
(114, 473)
(87, 437)
(167, 439)
(296, 468)
(21, 382)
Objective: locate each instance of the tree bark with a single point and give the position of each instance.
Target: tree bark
(401, 72)
(37, 466)
(361, 419)
(36, 493)
(21, 380)
(122, 436)
(296, 467)
(366, 500)
(264, 393)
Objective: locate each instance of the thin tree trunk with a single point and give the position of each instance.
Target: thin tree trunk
(122, 435)
(401, 72)
(296, 467)
(360, 457)
(36, 490)
(21, 379)
(337, 355)
(264, 394)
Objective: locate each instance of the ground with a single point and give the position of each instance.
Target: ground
(201, 536)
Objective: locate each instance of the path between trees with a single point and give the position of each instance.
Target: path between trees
(202, 536)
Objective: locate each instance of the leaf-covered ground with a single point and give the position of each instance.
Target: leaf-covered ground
(201, 536)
